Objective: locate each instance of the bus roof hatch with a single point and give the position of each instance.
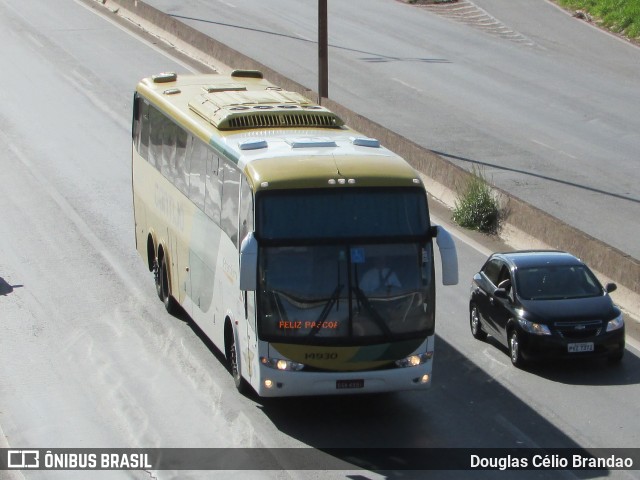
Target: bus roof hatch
(234, 109)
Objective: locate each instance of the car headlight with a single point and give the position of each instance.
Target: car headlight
(281, 364)
(615, 324)
(535, 328)
(414, 360)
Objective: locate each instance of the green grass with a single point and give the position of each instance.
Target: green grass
(620, 16)
(477, 209)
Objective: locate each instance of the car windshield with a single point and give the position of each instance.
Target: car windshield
(551, 282)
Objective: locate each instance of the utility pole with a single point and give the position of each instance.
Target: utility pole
(323, 52)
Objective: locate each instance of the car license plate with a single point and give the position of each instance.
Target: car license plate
(580, 347)
(349, 383)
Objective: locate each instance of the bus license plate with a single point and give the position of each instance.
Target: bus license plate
(580, 347)
(349, 384)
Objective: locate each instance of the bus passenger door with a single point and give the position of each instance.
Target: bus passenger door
(245, 226)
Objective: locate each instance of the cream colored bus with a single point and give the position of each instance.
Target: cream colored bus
(301, 248)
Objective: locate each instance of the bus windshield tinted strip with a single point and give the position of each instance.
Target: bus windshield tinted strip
(346, 213)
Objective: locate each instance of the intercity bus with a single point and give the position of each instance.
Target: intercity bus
(265, 218)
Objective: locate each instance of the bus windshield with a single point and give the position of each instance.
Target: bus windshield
(345, 294)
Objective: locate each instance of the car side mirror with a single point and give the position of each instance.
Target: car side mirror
(501, 293)
(448, 255)
(610, 287)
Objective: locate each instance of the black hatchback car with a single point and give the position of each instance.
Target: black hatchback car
(545, 304)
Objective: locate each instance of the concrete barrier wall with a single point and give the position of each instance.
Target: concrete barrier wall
(607, 260)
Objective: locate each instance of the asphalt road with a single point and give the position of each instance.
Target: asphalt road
(89, 357)
(544, 104)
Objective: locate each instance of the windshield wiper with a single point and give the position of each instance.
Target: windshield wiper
(364, 300)
(325, 311)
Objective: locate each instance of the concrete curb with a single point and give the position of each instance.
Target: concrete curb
(524, 225)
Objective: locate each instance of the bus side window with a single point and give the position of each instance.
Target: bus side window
(183, 150)
(213, 199)
(156, 125)
(169, 150)
(143, 142)
(230, 200)
(197, 173)
(246, 209)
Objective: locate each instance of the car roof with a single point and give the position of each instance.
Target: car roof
(537, 258)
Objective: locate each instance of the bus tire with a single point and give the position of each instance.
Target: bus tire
(232, 360)
(156, 278)
(165, 290)
(154, 265)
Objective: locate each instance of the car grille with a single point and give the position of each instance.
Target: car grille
(578, 330)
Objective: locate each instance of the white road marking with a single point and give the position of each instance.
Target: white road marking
(138, 37)
(227, 4)
(489, 353)
(407, 85)
(522, 439)
(84, 229)
(304, 37)
(633, 344)
(33, 39)
(460, 235)
(553, 148)
(97, 101)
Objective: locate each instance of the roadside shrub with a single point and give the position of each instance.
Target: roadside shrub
(476, 208)
(620, 16)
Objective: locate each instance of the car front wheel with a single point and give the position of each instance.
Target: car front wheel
(515, 350)
(474, 323)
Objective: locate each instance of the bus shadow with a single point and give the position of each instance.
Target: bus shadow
(464, 409)
(181, 314)
(463, 412)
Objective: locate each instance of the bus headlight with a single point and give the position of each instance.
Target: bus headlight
(281, 364)
(414, 360)
(615, 324)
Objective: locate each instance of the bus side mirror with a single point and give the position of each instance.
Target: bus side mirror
(448, 257)
(249, 263)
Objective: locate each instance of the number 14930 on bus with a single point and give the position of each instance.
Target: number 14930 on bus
(301, 248)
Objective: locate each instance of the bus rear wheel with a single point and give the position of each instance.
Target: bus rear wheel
(165, 292)
(156, 278)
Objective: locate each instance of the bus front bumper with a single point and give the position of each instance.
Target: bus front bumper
(283, 383)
